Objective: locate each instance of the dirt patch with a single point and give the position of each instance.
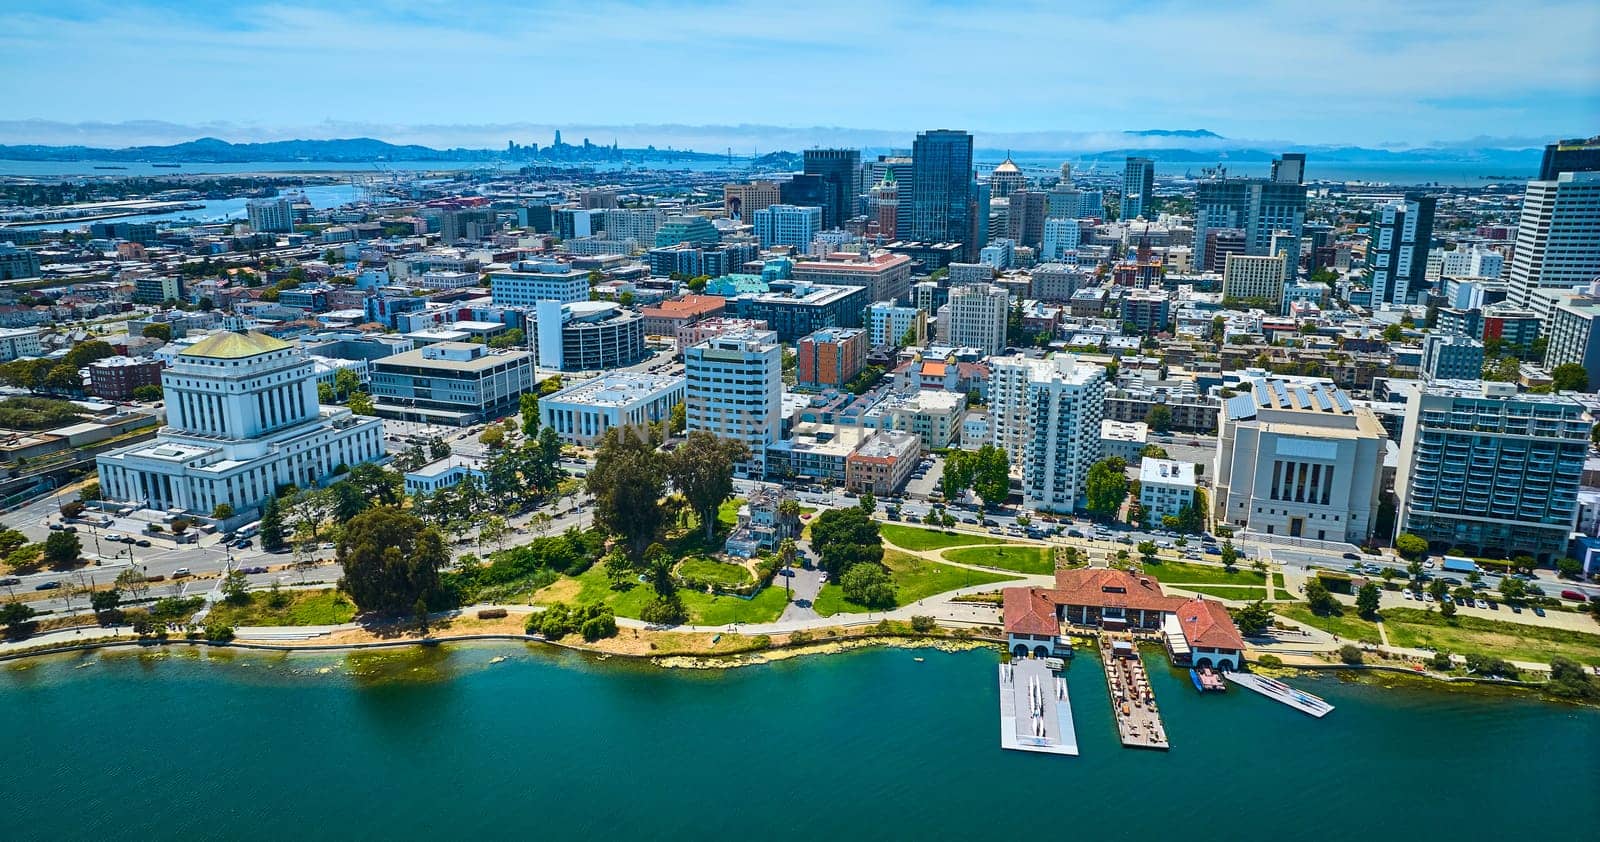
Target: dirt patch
(562, 590)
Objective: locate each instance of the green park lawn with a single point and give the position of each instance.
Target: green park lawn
(302, 608)
(1227, 591)
(1283, 589)
(913, 538)
(1007, 557)
(703, 608)
(914, 578)
(1346, 625)
(710, 570)
(1178, 572)
(1464, 635)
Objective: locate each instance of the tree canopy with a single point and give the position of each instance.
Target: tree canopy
(844, 538)
(702, 471)
(627, 482)
(391, 560)
(1106, 487)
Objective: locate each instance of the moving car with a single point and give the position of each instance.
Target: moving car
(180, 573)
(1352, 556)
(47, 586)
(1574, 595)
(141, 543)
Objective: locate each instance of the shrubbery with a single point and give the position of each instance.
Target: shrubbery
(1350, 654)
(594, 621)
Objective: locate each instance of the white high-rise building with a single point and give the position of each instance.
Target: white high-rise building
(1558, 239)
(1061, 240)
(637, 224)
(1473, 261)
(270, 216)
(788, 225)
(242, 420)
(975, 317)
(734, 390)
(1046, 413)
(1254, 276)
(890, 321)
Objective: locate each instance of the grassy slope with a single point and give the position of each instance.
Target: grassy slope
(1512, 641)
(703, 608)
(305, 608)
(914, 579)
(1200, 574)
(1020, 559)
(912, 538)
(1347, 625)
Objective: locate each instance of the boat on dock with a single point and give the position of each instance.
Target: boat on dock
(1035, 711)
(1206, 680)
(1274, 689)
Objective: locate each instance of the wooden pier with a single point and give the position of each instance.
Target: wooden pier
(1035, 712)
(1133, 700)
(1278, 691)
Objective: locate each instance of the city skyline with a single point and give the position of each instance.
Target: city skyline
(1389, 77)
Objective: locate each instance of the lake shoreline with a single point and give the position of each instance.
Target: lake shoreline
(1383, 676)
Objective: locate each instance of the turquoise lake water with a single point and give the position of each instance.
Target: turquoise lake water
(453, 743)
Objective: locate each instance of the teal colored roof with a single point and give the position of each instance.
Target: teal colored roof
(736, 284)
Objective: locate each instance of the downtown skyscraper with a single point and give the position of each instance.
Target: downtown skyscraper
(1138, 181)
(1558, 235)
(840, 171)
(944, 197)
(1259, 207)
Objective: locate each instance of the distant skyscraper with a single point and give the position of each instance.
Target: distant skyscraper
(803, 190)
(270, 216)
(840, 170)
(942, 196)
(1138, 180)
(1570, 156)
(1558, 238)
(787, 225)
(1290, 168)
(1006, 179)
(1398, 254)
(741, 201)
(1258, 207)
(1026, 217)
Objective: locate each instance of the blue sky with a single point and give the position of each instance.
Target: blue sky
(1367, 72)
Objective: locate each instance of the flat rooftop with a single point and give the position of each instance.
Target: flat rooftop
(620, 389)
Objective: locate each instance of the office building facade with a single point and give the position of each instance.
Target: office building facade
(734, 390)
(1046, 413)
(840, 171)
(788, 225)
(943, 201)
(452, 383)
(1138, 184)
(975, 317)
(1489, 470)
(1558, 238)
(1398, 254)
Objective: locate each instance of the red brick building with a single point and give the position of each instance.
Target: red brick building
(830, 357)
(115, 378)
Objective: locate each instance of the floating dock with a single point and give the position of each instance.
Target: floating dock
(1035, 712)
(1278, 691)
(1133, 701)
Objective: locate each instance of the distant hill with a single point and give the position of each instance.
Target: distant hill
(1205, 133)
(215, 151)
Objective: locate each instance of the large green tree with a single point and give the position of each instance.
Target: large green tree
(271, 526)
(869, 585)
(62, 549)
(957, 477)
(1253, 619)
(991, 475)
(702, 471)
(1106, 487)
(1569, 377)
(844, 538)
(627, 482)
(391, 560)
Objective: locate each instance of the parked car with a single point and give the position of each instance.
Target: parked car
(114, 536)
(1494, 606)
(1428, 565)
(1537, 611)
(1405, 595)
(1213, 551)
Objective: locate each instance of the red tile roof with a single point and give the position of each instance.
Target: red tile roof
(1106, 587)
(1030, 611)
(1206, 623)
